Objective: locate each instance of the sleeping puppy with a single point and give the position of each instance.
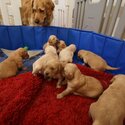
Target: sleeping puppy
(54, 70)
(66, 55)
(52, 41)
(37, 12)
(10, 66)
(40, 64)
(60, 46)
(94, 61)
(110, 107)
(80, 84)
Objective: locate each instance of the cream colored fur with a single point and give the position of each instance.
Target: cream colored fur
(66, 55)
(109, 109)
(40, 64)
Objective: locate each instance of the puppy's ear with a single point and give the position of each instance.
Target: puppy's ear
(60, 66)
(63, 64)
(50, 41)
(63, 45)
(79, 55)
(70, 76)
(19, 64)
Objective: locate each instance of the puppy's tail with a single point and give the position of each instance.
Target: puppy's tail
(111, 68)
(96, 123)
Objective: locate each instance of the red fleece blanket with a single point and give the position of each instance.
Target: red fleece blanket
(29, 100)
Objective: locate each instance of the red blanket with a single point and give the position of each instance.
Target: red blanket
(30, 100)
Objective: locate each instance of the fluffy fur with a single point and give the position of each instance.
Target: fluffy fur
(80, 84)
(94, 61)
(40, 64)
(37, 12)
(60, 46)
(54, 70)
(52, 41)
(9, 67)
(66, 55)
(110, 107)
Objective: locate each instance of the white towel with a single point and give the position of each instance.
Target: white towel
(31, 53)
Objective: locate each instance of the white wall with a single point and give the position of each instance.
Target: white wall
(63, 13)
(10, 11)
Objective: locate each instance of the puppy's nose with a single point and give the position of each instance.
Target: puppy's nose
(37, 21)
(46, 74)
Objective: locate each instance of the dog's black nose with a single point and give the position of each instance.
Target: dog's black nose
(37, 21)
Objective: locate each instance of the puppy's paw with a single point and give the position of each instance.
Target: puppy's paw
(59, 96)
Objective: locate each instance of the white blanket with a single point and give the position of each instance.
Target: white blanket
(31, 53)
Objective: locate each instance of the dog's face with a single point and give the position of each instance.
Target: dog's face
(72, 47)
(52, 69)
(42, 10)
(69, 71)
(53, 40)
(23, 53)
(82, 53)
(61, 44)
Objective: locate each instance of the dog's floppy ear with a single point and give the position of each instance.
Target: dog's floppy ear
(63, 45)
(70, 75)
(52, 6)
(61, 66)
(32, 3)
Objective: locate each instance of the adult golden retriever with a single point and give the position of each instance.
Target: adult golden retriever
(37, 12)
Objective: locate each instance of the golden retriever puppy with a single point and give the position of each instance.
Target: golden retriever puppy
(52, 41)
(80, 84)
(60, 46)
(40, 64)
(51, 51)
(94, 61)
(9, 67)
(37, 12)
(54, 70)
(110, 107)
(66, 55)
